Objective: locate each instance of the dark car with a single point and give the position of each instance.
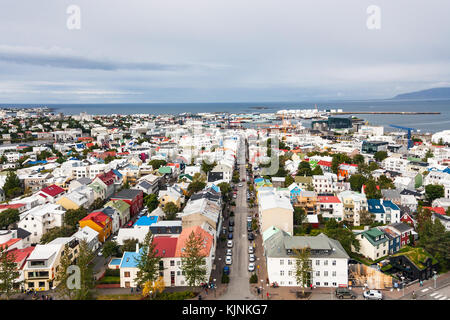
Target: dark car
(345, 293)
(230, 229)
(230, 236)
(226, 270)
(249, 226)
(251, 236)
(231, 222)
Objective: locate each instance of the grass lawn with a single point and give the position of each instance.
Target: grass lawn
(109, 280)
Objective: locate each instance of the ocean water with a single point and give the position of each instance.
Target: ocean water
(425, 123)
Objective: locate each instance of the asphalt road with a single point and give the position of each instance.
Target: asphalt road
(239, 286)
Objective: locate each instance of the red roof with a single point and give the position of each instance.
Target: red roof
(21, 254)
(11, 206)
(108, 177)
(9, 243)
(165, 246)
(98, 217)
(328, 199)
(53, 190)
(324, 163)
(439, 210)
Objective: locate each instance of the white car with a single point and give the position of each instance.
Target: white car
(228, 260)
(249, 218)
(373, 295)
(250, 249)
(114, 238)
(229, 252)
(230, 243)
(251, 267)
(240, 184)
(251, 258)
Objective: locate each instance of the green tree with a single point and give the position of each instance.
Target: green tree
(73, 216)
(170, 209)
(366, 218)
(358, 159)
(12, 187)
(371, 190)
(193, 260)
(317, 171)
(97, 204)
(303, 268)
(110, 249)
(304, 169)
(151, 202)
(288, 180)
(385, 183)
(337, 160)
(129, 245)
(9, 272)
(434, 191)
(346, 238)
(380, 155)
(225, 189)
(57, 232)
(207, 167)
(87, 282)
(8, 217)
(299, 215)
(196, 186)
(147, 262)
(62, 275)
(357, 181)
(156, 164)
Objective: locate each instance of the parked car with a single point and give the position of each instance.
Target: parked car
(230, 236)
(251, 257)
(231, 222)
(226, 270)
(230, 243)
(114, 238)
(251, 237)
(373, 295)
(249, 226)
(251, 267)
(230, 229)
(224, 230)
(228, 260)
(229, 252)
(240, 184)
(342, 293)
(249, 218)
(129, 224)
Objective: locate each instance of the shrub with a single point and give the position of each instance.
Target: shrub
(181, 295)
(112, 272)
(109, 280)
(225, 278)
(254, 278)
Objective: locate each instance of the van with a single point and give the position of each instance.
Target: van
(343, 293)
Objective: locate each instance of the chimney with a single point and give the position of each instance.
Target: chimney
(137, 247)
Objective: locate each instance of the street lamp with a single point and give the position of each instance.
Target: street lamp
(435, 277)
(262, 288)
(214, 284)
(403, 285)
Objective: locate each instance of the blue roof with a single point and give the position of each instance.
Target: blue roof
(390, 204)
(146, 221)
(215, 188)
(38, 161)
(375, 206)
(117, 173)
(115, 261)
(80, 145)
(129, 259)
(259, 180)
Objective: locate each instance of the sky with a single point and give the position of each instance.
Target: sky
(220, 50)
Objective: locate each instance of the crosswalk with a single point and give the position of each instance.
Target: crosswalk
(435, 295)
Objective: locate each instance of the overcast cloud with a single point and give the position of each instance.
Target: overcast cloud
(221, 50)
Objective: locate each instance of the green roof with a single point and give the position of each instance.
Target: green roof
(371, 235)
(165, 170)
(418, 256)
(120, 205)
(96, 186)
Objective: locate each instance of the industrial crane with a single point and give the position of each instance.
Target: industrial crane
(410, 142)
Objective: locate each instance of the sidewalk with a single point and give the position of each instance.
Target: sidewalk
(442, 280)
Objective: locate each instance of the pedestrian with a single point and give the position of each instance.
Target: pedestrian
(414, 295)
(131, 289)
(421, 283)
(267, 296)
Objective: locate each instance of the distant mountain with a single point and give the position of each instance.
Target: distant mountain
(434, 93)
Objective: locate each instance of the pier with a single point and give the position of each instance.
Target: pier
(384, 112)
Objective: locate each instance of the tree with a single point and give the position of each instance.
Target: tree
(358, 159)
(317, 171)
(9, 272)
(62, 275)
(357, 181)
(346, 238)
(97, 204)
(380, 155)
(84, 260)
(434, 239)
(193, 260)
(303, 268)
(338, 159)
(8, 217)
(150, 288)
(156, 164)
(196, 186)
(129, 245)
(170, 209)
(73, 216)
(288, 180)
(12, 187)
(371, 190)
(225, 189)
(366, 218)
(147, 262)
(385, 183)
(207, 167)
(434, 191)
(57, 232)
(110, 248)
(304, 169)
(299, 215)
(151, 202)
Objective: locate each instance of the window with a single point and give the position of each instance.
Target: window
(281, 272)
(127, 274)
(325, 263)
(281, 262)
(325, 284)
(317, 273)
(317, 283)
(178, 273)
(317, 262)
(289, 262)
(334, 274)
(334, 284)
(172, 263)
(290, 273)
(325, 273)
(334, 262)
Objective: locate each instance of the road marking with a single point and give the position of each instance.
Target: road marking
(437, 297)
(433, 294)
(443, 298)
(425, 290)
